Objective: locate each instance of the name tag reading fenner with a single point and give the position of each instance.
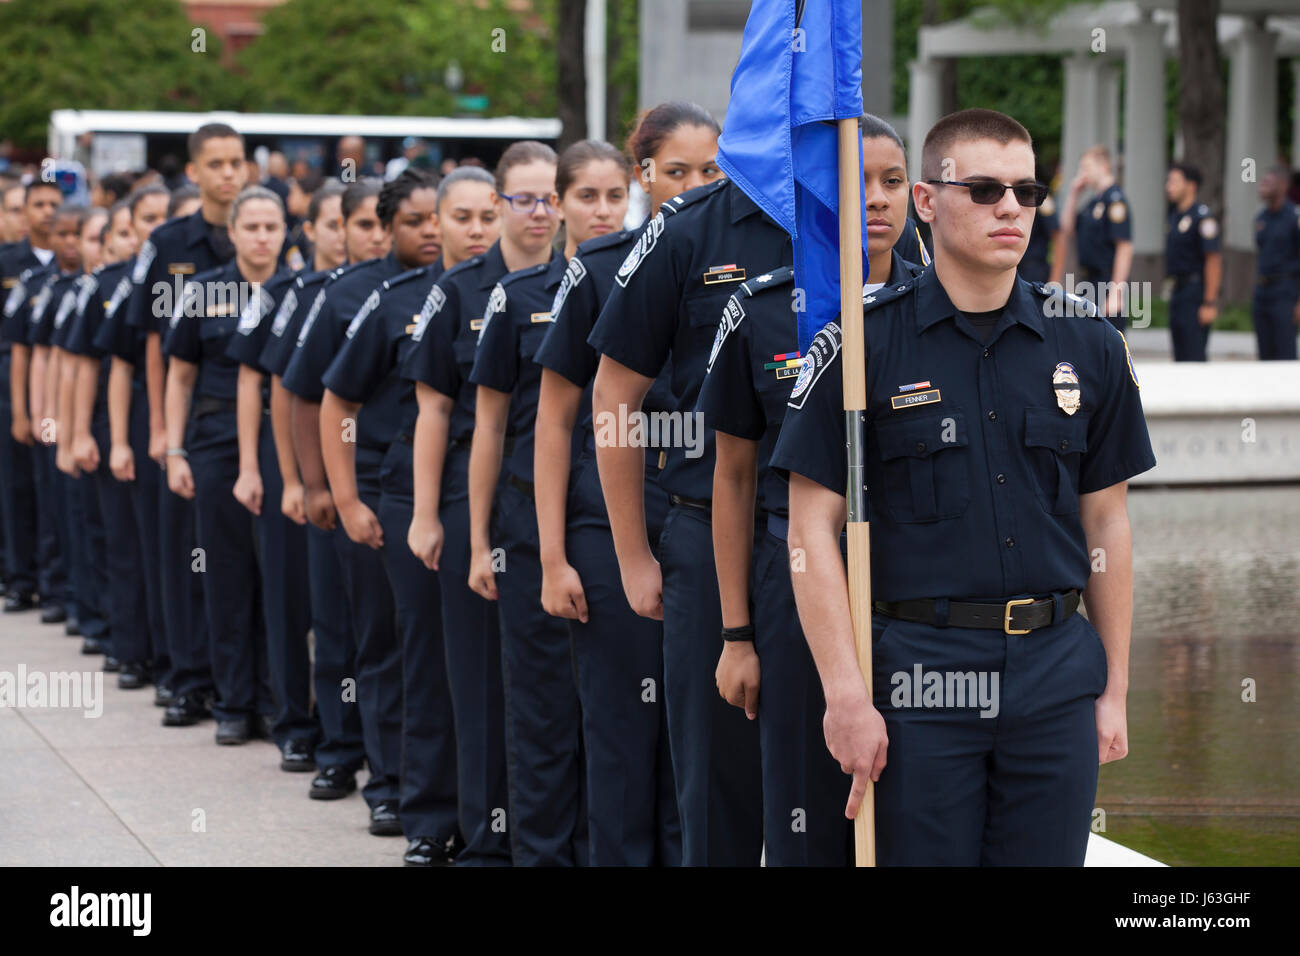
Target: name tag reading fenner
(928, 397)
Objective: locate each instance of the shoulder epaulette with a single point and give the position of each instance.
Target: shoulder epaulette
(404, 277)
(888, 293)
(1067, 303)
(692, 196)
(768, 280)
(510, 278)
(605, 241)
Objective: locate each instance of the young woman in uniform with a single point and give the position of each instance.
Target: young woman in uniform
(631, 805)
(439, 362)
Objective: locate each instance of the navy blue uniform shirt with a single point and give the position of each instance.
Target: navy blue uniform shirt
(974, 461)
(515, 321)
(1277, 236)
(365, 368)
(1034, 266)
(20, 299)
(71, 298)
(213, 305)
(669, 294)
(15, 259)
(177, 250)
(114, 335)
(297, 301)
(47, 304)
(98, 288)
(753, 366)
(1189, 237)
(587, 283)
(326, 323)
(442, 347)
(255, 325)
(1099, 224)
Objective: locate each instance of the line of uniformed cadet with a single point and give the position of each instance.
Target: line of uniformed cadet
(390, 456)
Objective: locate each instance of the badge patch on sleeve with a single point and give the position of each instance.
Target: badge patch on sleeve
(644, 244)
(496, 303)
(433, 303)
(143, 261)
(282, 315)
(825, 346)
(573, 275)
(119, 296)
(1117, 212)
(310, 320)
(1209, 227)
(363, 313)
(1065, 381)
(731, 316)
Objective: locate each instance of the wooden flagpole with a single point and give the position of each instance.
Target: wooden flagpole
(855, 404)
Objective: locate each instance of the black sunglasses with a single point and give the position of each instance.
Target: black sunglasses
(989, 192)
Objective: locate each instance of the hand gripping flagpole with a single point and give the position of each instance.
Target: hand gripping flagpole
(855, 405)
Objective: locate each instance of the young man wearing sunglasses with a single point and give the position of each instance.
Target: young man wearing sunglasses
(1002, 425)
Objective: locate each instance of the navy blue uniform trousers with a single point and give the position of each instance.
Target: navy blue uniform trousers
(17, 498)
(232, 592)
(428, 803)
(618, 655)
(378, 655)
(1015, 788)
(85, 553)
(715, 747)
(145, 498)
(543, 716)
(286, 601)
(804, 789)
(1190, 337)
(472, 642)
(181, 588)
(51, 521)
(124, 601)
(1273, 311)
(341, 743)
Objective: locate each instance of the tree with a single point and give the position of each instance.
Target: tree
(1201, 96)
(571, 70)
(103, 54)
(395, 57)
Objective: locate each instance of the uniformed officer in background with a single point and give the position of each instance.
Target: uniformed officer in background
(1276, 306)
(1001, 430)
(1045, 257)
(1193, 262)
(1103, 233)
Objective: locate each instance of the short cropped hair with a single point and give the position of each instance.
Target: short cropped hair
(1188, 171)
(964, 126)
(209, 131)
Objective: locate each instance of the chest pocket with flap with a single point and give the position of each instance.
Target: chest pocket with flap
(925, 471)
(1054, 444)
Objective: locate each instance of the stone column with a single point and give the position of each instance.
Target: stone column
(923, 106)
(1144, 136)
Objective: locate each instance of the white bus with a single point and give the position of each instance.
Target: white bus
(126, 140)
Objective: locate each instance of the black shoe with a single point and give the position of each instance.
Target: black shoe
(16, 603)
(186, 710)
(333, 783)
(234, 732)
(72, 629)
(95, 645)
(162, 695)
(133, 676)
(384, 820)
(296, 756)
(427, 851)
(262, 727)
(111, 664)
(53, 615)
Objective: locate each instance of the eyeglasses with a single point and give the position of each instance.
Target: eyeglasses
(989, 192)
(527, 202)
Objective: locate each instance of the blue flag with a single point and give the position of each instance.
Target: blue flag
(800, 69)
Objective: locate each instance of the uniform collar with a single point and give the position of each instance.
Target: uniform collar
(555, 270)
(933, 304)
(196, 228)
(742, 206)
(494, 266)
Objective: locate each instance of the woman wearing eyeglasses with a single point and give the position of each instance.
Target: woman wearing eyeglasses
(438, 360)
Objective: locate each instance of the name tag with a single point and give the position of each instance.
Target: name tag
(475, 325)
(181, 269)
(220, 309)
(928, 397)
(11, 282)
(720, 274)
(540, 317)
(791, 372)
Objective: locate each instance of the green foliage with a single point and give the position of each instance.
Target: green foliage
(102, 54)
(320, 56)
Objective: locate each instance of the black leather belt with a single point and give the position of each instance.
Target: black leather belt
(1186, 278)
(206, 405)
(699, 504)
(525, 486)
(1018, 616)
(1269, 280)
